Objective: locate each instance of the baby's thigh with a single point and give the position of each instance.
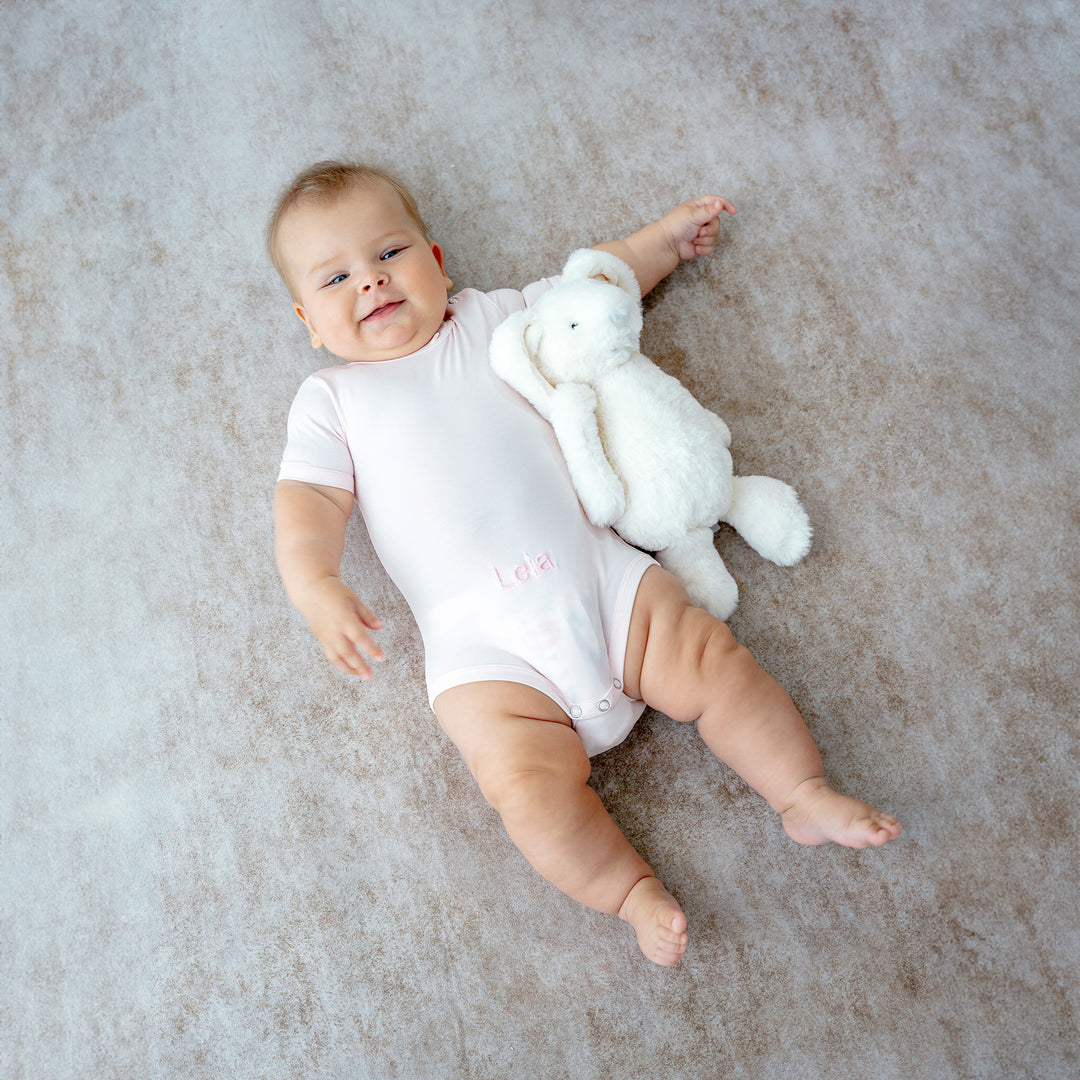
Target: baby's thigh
(674, 650)
(506, 729)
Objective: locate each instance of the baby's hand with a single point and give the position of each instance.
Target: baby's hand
(692, 227)
(343, 623)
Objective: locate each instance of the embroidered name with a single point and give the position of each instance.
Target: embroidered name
(532, 567)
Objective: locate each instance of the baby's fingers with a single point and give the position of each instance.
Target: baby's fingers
(347, 651)
(367, 617)
(348, 655)
(698, 225)
(705, 212)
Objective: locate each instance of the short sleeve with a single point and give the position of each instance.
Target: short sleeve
(507, 301)
(532, 292)
(316, 451)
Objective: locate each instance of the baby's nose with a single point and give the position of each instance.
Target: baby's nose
(371, 282)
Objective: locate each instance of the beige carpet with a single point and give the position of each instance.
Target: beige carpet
(223, 859)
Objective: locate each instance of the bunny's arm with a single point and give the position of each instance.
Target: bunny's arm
(573, 416)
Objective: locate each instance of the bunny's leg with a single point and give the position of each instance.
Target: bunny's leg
(695, 562)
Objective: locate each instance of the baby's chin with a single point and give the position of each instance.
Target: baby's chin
(386, 335)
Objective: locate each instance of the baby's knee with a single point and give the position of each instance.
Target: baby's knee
(517, 794)
(517, 780)
(726, 664)
(708, 647)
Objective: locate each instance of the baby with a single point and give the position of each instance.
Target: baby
(544, 636)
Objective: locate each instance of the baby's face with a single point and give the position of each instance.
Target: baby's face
(368, 285)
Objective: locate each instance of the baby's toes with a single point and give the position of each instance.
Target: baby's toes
(880, 829)
(674, 921)
(889, 826)
(668, 953)
(671, 938)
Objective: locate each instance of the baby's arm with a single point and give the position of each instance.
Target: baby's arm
(309, 537)
(684, 233)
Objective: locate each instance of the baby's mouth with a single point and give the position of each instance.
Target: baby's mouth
(379, 312)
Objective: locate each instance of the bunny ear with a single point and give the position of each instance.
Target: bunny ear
(513, 345)
(601, 265)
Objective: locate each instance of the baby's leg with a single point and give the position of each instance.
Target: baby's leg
(685, 663)
(532, 768)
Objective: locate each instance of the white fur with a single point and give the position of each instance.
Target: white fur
(644, 455)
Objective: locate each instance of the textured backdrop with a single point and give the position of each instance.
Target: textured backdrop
(223, 859)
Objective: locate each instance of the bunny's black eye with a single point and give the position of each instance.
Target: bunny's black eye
(573, 326)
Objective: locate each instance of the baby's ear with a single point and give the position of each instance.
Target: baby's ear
(316, 341)
(588, 263)
(438, 253)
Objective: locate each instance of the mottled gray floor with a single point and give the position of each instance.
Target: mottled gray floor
(222, 859)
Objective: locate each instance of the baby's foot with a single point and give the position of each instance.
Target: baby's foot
(659, 921)
(818, 814)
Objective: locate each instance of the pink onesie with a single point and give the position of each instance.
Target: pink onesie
(470, 508)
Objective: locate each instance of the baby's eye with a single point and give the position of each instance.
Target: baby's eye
(391, 253)
(337, 279)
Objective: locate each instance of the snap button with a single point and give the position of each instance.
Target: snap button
(617, 684)
(604, 705)
(575, 711)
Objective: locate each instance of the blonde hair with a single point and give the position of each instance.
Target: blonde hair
(322, 183)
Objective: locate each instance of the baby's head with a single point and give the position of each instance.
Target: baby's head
(365, 278)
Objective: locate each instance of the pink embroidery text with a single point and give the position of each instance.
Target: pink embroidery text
(532, 567)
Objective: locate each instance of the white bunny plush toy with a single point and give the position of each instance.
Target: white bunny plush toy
(644, 455)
